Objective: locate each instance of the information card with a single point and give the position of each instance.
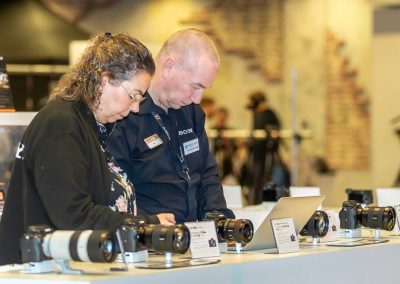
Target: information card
(334, 226)
(6, 98)
(203, 239)
(285, 235)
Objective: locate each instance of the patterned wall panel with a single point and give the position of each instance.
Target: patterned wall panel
(250, 29)
(347, 116)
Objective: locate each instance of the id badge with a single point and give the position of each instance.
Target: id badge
(191, 146)
(153, 141)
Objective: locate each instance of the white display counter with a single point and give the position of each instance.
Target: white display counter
(365, 264)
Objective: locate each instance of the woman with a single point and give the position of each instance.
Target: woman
(63, 175)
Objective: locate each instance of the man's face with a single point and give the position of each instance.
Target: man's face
(186, 84)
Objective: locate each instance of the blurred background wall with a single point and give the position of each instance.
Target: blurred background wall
(345, 55)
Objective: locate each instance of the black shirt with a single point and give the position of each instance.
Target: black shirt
(60, 178)
(155, 159)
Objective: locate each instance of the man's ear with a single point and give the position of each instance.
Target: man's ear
(168, 67)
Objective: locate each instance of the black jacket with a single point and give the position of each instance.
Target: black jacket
(161, 184)
(60, 178)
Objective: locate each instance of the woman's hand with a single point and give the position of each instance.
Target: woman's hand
(166, 218)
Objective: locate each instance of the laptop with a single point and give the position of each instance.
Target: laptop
(299, 208)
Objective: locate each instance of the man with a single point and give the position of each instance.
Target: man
(265, 151)
(164, 148)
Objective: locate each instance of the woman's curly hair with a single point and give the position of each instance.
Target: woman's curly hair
(119, 55)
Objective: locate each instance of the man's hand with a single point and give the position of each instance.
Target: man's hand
(166, 218)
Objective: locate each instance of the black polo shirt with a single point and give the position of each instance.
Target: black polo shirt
(167, 157)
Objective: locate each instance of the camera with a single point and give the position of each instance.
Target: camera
(317, 226)
(353, 215)
(137, 235)
(228, 230)
(42, 243)
(364, 196)
(274, 192)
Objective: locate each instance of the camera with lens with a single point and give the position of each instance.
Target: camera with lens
(137, 236)
(353, 216)
(41, 244)
(274, 192)
(228, 230)
(317, 226)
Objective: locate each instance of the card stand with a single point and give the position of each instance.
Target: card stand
(170, 263)
(310, 242)
(238, 248)
(348, 233)
(223, 247)
(314, 241)
(48, 266)
(377, 234)
(133, 257)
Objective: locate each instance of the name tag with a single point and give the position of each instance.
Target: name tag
(191, 146)
(153, 141)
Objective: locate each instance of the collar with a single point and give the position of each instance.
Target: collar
(148, 106)
(88, 113)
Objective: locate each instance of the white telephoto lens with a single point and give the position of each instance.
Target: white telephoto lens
(58, 244)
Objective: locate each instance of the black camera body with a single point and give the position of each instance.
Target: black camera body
(228, 230)
(137, 235)
(353, 216)
(274, 192)
(348, 215)
(42, 243)
(31, 244)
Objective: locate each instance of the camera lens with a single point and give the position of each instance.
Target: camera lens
(317, 226)
(174, 238)
(92, 246)
(238, 230)
(378, 217)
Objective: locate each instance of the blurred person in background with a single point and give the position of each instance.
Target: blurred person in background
(224, 146)
(264, 151)
(208, 106)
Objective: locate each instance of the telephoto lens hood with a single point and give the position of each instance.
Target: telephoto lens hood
(42, 243)
(86, 246)
(317, 226)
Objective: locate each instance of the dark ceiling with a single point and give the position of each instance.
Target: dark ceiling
(32, 34)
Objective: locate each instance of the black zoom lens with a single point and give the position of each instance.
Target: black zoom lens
(238, 230)
(378, 217)
(92, 246)
(161, 238)
(317, 226)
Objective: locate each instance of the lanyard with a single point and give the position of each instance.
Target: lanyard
(179, 155)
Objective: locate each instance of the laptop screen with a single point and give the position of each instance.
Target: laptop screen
(300, 209)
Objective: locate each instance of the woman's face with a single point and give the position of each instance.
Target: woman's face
(117, 101)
